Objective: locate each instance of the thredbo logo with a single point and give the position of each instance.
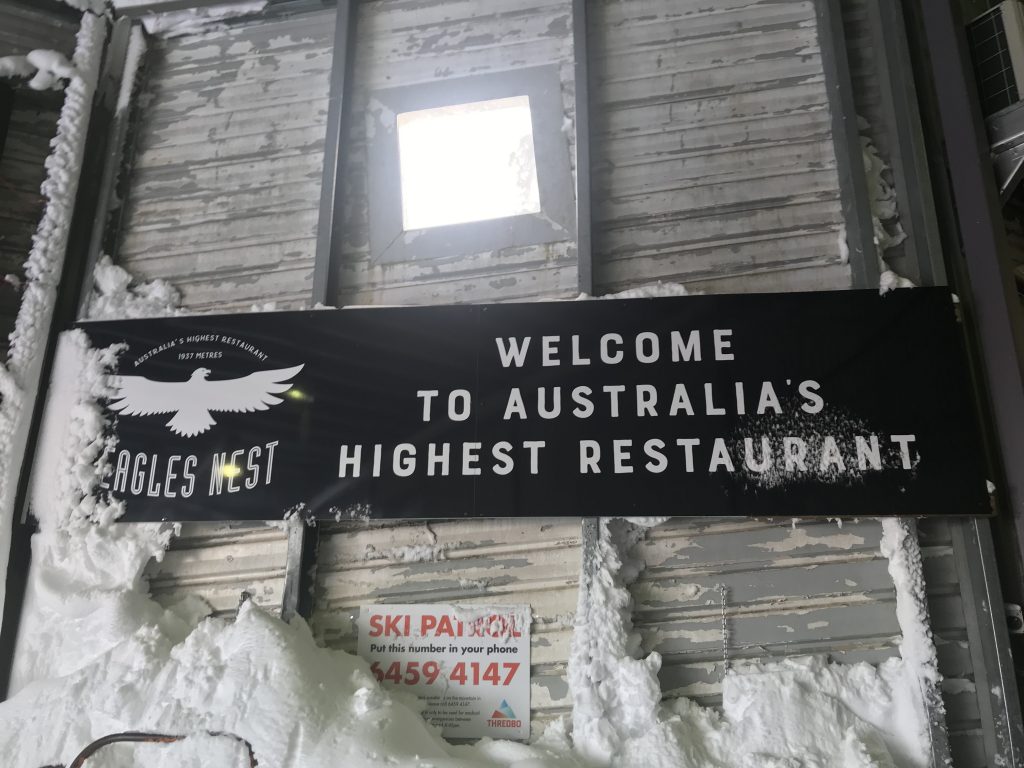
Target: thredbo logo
(191, 402)
(504, 717)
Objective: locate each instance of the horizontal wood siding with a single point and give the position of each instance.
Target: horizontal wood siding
(786, 590)
(713, 158)
(405, 42)
(23, 29)
(225, 186)
(217, 562)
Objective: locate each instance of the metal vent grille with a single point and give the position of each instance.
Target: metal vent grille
(993, 68)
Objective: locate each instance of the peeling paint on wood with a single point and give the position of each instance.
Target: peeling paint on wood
(789, 591)
(219, 561)
(716, 167)
(713, 152)
(225, 183)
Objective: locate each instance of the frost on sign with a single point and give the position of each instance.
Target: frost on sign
(467, 162)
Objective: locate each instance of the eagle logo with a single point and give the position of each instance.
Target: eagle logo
(192, 401)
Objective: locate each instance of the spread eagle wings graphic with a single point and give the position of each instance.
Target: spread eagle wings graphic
(194, 400)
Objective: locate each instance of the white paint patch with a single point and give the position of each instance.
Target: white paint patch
(177, 23)
(798, 538)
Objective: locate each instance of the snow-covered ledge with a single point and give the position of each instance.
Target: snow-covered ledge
(19, 379)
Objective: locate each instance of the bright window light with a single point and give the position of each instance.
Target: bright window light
(468, 162)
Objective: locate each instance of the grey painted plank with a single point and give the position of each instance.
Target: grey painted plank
(23, 29)
(213, 179)
(676, 53)
(736, 79)
(227, 172)
(716, 163)
(246, 227)
(648, 112)
(813, 276)
(547, 282)
(632, 22)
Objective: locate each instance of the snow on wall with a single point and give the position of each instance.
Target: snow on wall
(85, 579)
(19, 379)
(97, 655)
(801, 711)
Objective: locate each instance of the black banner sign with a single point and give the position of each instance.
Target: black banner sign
(837, 403)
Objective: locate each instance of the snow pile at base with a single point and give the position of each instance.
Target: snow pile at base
(796, 712)
(85, 588)
(256, 677)
(302, 705)
(202, 751)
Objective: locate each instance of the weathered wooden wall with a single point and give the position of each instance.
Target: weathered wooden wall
(788, 590)
(714, 160)
(404, 42)
(33, 123)
(225, 187)
(714, 167)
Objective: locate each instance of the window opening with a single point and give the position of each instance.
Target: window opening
(467, 162)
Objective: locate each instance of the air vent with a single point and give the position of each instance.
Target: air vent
(997, 49)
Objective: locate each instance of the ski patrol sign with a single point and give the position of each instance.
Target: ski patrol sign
(470, 665)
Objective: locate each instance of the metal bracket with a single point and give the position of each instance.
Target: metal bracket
(988, 641)
(328, 230)
(300, 569)
(584, 185)
(108, 93)
(909, 158)
(853, 185)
